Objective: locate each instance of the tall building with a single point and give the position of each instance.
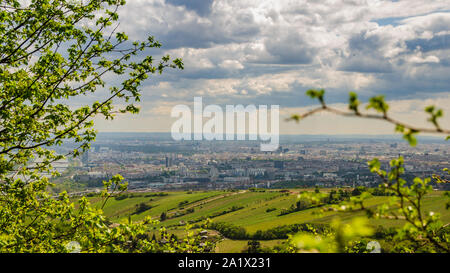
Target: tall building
(169, 160)
(279, 165)
(85, 158)
(213, 173)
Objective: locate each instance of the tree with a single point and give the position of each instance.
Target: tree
(253, 247)
(163, 216)
(141, 207)
(358, 190)
(52, 52)
(316, 189)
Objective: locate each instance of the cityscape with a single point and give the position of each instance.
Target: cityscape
(155, 162)
(210, 126)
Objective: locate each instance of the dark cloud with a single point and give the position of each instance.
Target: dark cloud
(445, 61)
(205, 34)
(176, 28)
(366, 55)
(428, 79)
(236, 50)
(366, 64)
(201, 7)
(364, 42)
(193, 35)
(436, 43)
(287, 47)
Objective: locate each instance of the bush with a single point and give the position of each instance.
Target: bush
(282, 232)
(358, 191)
(156, 194)
(141, 207)
(229, 230)
(232, 231)
(121, 197)
(301, 204)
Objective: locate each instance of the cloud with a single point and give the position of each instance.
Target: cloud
(288, 47)
(422, 60)
(363, 63)
(437, 42)
(201, 7)
(271, 52)
(188, 24)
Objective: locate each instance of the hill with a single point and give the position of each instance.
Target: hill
(254, 211)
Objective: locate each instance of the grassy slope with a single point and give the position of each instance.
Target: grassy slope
(253, 216)
(118, 210)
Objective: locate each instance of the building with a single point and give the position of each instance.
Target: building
(279, 165)
(168, 161)
(85, 158)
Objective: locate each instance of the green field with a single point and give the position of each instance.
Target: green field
(250, 211)
(236, 246)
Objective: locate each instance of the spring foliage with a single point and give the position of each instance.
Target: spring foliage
(52, 51)
(423, 231)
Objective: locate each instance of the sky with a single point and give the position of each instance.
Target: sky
(270, 52)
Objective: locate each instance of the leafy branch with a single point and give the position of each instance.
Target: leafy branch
(424, 228)
(381, 107)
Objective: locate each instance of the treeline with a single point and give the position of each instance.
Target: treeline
(216, 214)
(293, 184)
(281, 232)
(334, 197)
(86, 181)
(300, 205)
(232, 231)
(210, 216)
(180, 213)
(219, 213)
(130, 195)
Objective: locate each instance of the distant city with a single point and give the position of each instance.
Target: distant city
(153, 161)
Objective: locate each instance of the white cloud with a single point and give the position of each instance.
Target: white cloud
(231, 64)
(421, 59)
(272, 51)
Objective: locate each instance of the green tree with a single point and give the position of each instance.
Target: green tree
(316, 189)
(253, 247)
(163, 216)
(52, 52)
(358, 190)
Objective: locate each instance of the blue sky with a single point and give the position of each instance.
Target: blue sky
(271, 52)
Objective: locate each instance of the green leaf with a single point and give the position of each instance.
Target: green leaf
(378, 104)
(316, 94)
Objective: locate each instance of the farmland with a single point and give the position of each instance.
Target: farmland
(252, 210)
